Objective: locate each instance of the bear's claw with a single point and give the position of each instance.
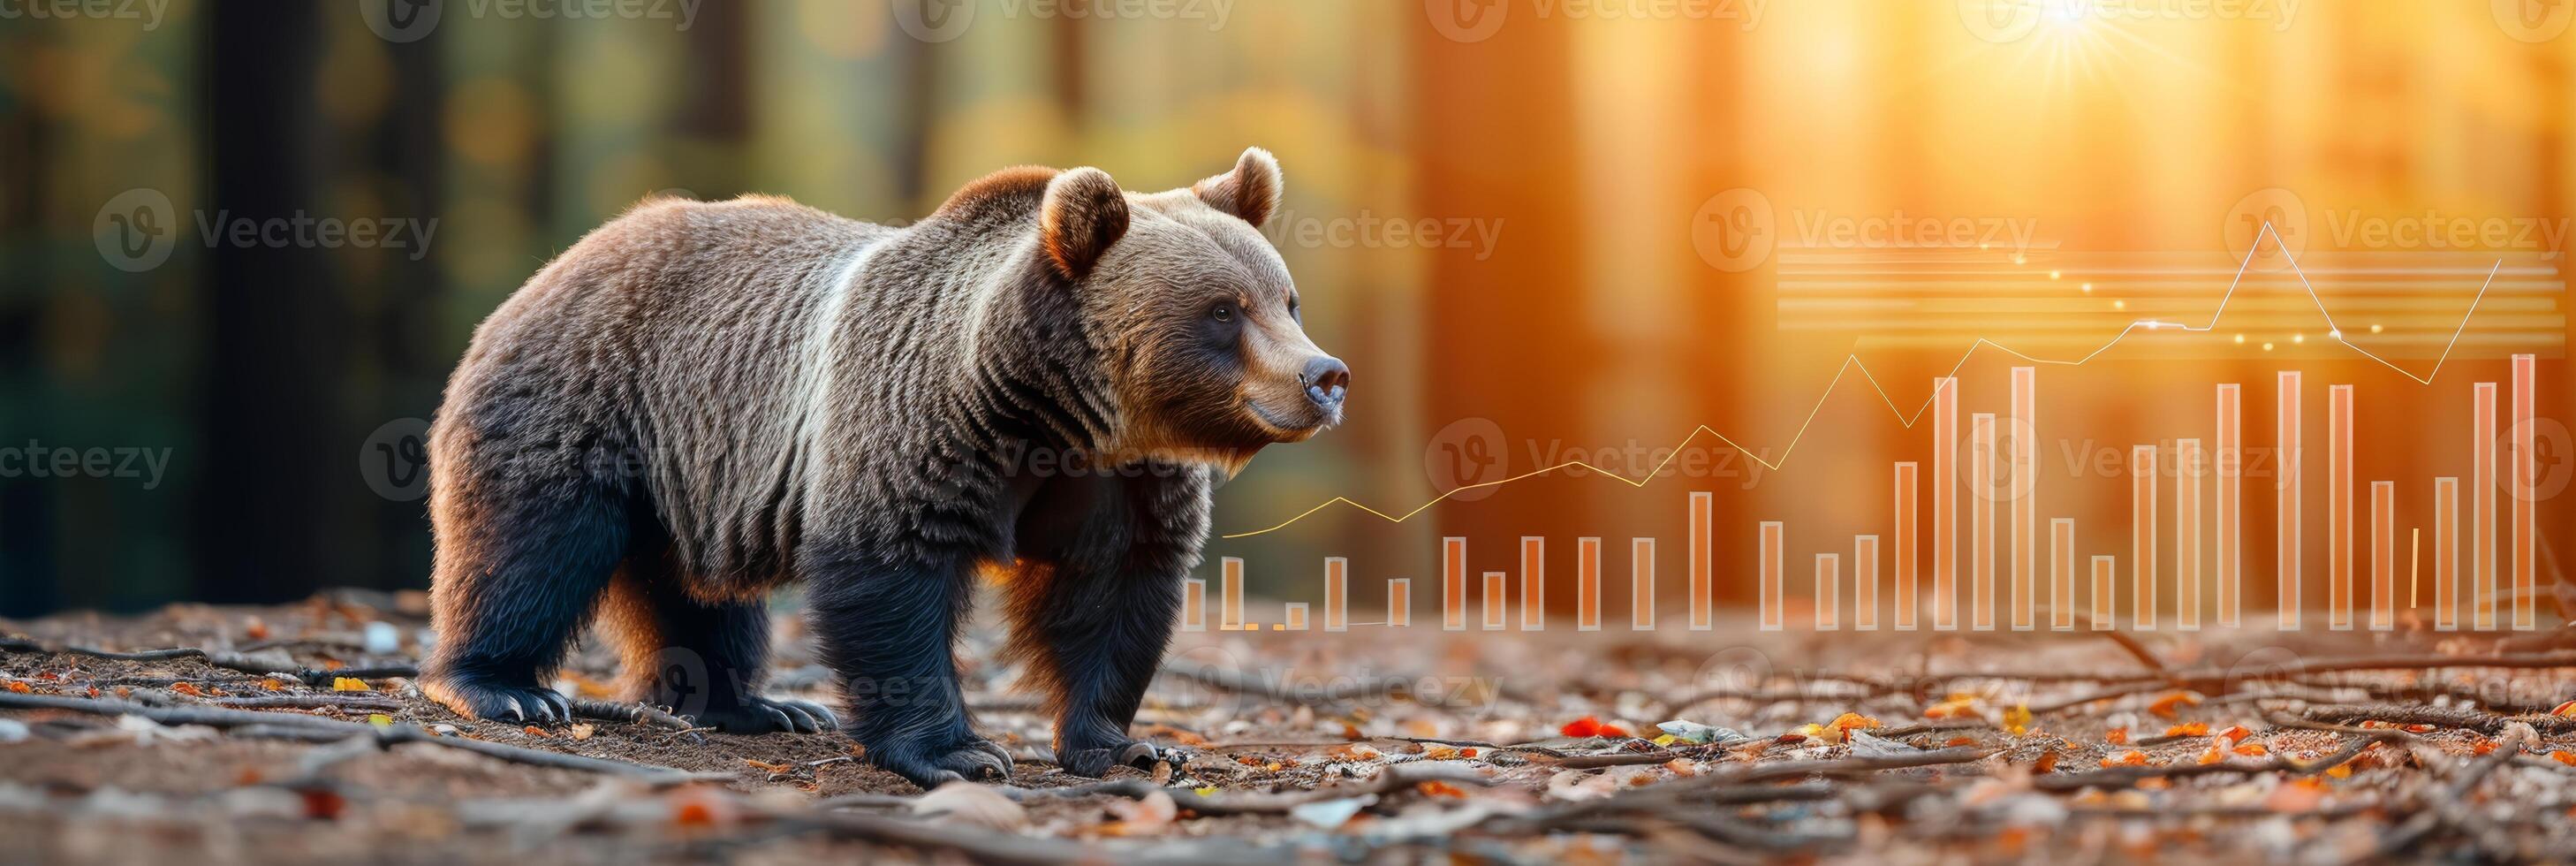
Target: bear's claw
(1134, 753)
(522, 704)
(770, 715)
(976, 759)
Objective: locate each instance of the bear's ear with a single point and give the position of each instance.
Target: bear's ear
(1250, 191)
(1083, 214)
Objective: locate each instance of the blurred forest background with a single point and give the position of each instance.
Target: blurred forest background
(1497, 210)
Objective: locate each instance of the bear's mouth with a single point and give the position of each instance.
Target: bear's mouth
(1298, 430)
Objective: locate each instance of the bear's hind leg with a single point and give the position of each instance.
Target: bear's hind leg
(517, 575)
(704, 660)
(890, 631)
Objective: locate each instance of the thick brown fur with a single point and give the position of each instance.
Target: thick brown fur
(698, 403)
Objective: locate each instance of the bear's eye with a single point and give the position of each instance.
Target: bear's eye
(1222, 312)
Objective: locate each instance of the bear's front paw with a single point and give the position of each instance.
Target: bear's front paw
(768, 716)
(478, 699)
(974, 759)
(1095, 762)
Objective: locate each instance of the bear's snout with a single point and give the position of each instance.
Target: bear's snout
(1326, 380)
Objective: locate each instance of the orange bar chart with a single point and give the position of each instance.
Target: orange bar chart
(1337, 594)
(1828, 603)
(1703, 552)
(2061, 574)
(2526, 494)
(1587, 584)
(1194, 605)
(1292, 617)
(1906, 592)
(2446, 553)
(1774, 565)
(1865, 583)
(1981, 522)
(1496, 616)
(2286, 574)
(1533, 583)
(1641, 584)
(2231, 504)
(1230, 606)
(1945, 494)
(1453, 584)
(2104, 595)
(2142, 535)
(2023, 447)
(2482, 490)
(1399, 602)
(2383, 555)
(2187, 554)
(2339, 507)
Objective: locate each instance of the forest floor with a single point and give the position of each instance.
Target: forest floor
(292, 734)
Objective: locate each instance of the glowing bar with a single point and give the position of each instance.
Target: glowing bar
(2446, 553)
(1981, 522)
(1587, 584)
(2231, 503)
(1337, 594)
(2061, 574)
(2339, 507)
(1453, 584)
(1828, 601)
(1641, 584)
(1703, 583)
(2103, 594)
(2287, 529)
(1865, 582)
(2383, 555)
(1399, 602)
(1194, 604)
(2142, 534)
(1945, 493)
(1293, 617)
(2482, 488)
(1905, 547)
(1533, 583)
(1230, 610)
(1495, 614)
(2526, 494)
(2187, 459)
(2024, 448)
(1774, 565)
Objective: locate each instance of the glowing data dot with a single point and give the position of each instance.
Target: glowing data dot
(2267, 347)
(2240, 339)
(2119, 305)
(2052, 275)
(2336, 333)
(2088, 287)
(2298, 338)
(2375, 329)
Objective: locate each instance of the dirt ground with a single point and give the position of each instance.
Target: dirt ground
(1372, 745)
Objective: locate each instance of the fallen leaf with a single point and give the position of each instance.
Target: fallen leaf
(2564, 757)
(1330, 814)
(1437, 788)
(584, 731)
(23, 688)
(2565, 709)
(2167, 707)
(1142, 817)
(970, 803)
(349, 684)
(2252, 750)
(1588, 726)
(2046, 764)
(767, 767)
(189, 689)
(2017, 720)
(2190, 729)
(323, 804)
(2117, 737)
(534, 731)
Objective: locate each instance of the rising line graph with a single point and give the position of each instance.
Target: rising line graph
(1852, 362)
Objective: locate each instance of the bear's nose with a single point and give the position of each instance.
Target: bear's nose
(1326, 380)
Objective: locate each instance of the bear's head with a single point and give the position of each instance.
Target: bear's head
(1193, 311)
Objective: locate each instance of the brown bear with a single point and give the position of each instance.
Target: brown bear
(699, 402)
